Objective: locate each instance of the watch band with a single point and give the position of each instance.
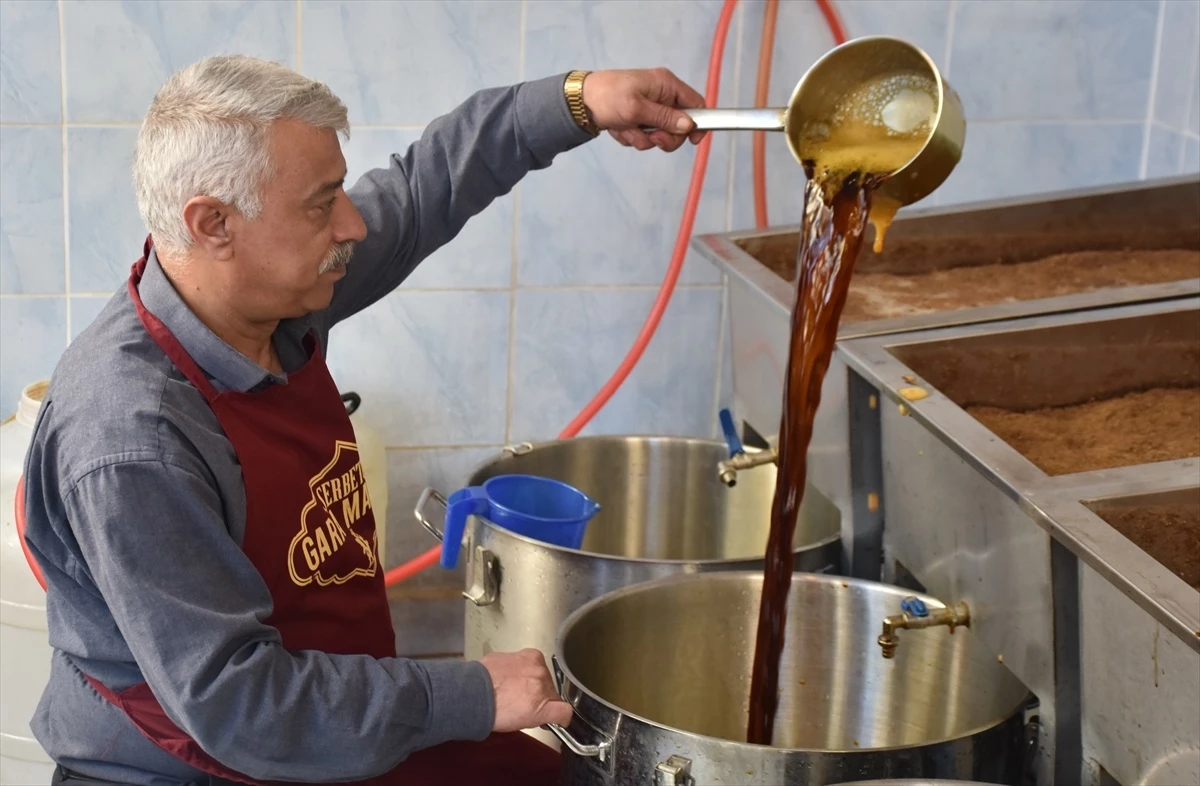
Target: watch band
(573, 90)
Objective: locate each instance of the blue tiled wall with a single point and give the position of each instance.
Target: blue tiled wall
(1173, 144)
(504, 334)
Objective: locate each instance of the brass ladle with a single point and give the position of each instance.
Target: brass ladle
(822, 93)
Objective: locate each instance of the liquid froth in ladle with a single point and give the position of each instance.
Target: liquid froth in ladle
(876, 130)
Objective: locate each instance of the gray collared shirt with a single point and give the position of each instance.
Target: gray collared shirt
(136, 509)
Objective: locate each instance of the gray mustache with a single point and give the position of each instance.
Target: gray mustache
(338, 257)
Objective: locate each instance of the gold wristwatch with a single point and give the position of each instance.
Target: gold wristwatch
(573, 89)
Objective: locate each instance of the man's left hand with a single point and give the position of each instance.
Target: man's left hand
(623, 102)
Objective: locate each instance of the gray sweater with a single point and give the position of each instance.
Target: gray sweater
(136, 507)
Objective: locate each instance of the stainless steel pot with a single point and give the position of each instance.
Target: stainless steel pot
(918, 782)
(659, 675)
(663, 512)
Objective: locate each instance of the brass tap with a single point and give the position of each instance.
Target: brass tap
(914, 616)
(728, 469)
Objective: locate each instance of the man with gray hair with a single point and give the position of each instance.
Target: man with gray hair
(194, 499)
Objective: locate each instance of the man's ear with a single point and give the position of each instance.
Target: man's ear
(207, 222)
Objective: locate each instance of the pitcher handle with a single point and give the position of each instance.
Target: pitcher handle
(469, 501)
(419, 511)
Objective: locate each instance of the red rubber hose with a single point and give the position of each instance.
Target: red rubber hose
(762, 88)
(833, 20)
(766, 49)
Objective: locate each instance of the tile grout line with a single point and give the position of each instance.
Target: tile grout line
(1038, 121)
(1184, 132)
(7, 124)
(1191, 100)
(951, 18)
(1144, 167)
(731, 173)
(599, 288)
(1034, 121)
(300, 36)
(31, 295)
(66, 177)
(736, 89)
(731, 170)
(722, 315)
(365, 126)
(433, 291)
(512, 270)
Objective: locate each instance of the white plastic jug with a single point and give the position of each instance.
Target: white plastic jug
(24, 638)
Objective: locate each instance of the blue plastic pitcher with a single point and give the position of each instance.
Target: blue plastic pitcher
(539, 508)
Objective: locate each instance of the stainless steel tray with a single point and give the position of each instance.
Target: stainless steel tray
(969, 517)
(1150, 214)
(1161, 213)
(1139, 672)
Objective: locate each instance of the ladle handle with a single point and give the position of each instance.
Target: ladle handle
(750, 119)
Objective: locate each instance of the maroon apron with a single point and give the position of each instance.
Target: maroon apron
(310, 532)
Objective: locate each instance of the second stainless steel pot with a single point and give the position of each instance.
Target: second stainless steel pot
(663, 512)
(659, 676)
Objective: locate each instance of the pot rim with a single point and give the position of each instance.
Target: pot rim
(830, 539)
(614, 558)
(728, 575)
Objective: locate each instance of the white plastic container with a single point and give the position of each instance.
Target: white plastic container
(24, 638)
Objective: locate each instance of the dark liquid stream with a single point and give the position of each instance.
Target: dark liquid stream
(834, 224)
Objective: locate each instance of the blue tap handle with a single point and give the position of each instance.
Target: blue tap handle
(915, 607)
(731, 435)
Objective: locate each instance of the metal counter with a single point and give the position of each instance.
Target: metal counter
(1051, 585)
(1139, 672)
(1152, 214)
(759, 267)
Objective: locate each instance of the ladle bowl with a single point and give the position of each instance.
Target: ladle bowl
(836, 75)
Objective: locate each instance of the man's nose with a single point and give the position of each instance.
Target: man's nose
(348, 222)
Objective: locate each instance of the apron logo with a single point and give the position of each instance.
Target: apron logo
(336, 541)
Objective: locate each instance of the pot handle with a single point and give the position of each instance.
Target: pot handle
(419, 510)
(518, 450)
(483, 577)
(601, 751)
